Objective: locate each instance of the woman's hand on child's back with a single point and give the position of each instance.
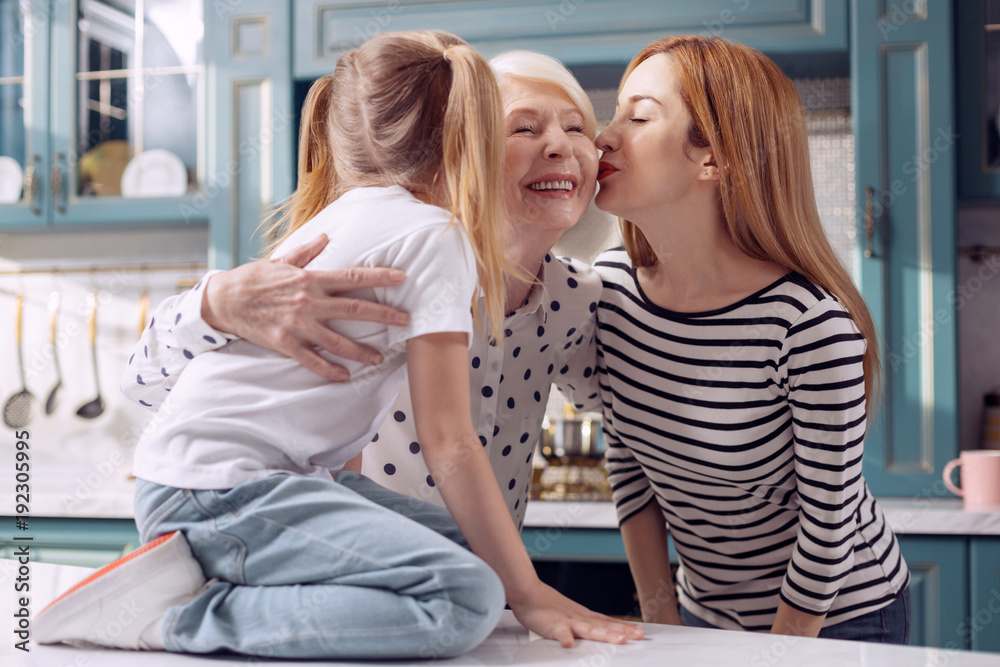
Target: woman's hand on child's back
(278, 305)
(552, 615)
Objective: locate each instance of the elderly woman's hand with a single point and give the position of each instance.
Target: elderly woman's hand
(280, 306)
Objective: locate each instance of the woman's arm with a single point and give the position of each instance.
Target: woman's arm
(275, 304)
(645, 538)
(439, 383)
(822, 363)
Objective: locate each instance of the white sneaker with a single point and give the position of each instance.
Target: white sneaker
(115, 605)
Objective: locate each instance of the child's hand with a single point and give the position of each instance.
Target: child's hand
(554, 616)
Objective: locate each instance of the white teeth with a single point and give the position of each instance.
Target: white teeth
(552, 185)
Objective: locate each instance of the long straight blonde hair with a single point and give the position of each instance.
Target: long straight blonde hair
(748, 112)
(406, 109)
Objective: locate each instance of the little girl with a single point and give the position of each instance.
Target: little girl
(240, 478)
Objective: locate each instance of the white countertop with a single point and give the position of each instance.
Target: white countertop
(907, 516)
(509, 644)
(107, 494)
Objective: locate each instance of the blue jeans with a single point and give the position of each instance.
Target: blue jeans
(888, 625)
(315, 568)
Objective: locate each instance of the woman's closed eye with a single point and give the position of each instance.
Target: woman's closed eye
(574, 128)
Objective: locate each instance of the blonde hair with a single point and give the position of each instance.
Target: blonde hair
(747, 111)
(531, 66)
(403, 109)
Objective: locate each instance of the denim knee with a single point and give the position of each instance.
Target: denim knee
(474, 617)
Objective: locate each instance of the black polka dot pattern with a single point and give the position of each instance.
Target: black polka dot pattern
(389, 469)
(537, 347)
(399, 416)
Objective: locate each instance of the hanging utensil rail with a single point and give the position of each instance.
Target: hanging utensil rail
(107, 268)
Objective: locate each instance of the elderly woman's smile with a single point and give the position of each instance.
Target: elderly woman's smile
(551, 162)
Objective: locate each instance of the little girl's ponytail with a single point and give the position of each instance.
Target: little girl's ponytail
(409, 109)
(472, 152)
(317, 176)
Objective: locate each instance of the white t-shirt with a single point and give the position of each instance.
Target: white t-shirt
(242, 412)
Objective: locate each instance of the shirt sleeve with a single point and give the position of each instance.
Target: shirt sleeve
(822, 357)
(176, 333)
(440, 280)
(577, 379)
(630, 488)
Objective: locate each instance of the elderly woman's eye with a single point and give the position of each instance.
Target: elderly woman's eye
(575, 128)
(522, 128)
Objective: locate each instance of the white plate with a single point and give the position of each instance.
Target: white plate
(11, 180)
(154, 173)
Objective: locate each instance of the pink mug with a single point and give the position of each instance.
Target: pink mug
(980, 478)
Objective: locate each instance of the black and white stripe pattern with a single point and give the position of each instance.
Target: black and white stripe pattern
(746, 425)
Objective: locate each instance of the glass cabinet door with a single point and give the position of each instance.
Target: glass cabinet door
(127, 111)
(23, 111)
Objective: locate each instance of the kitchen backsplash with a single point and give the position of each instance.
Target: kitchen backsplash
(91, 457)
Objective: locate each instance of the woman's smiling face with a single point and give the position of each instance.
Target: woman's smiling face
(551, 163)
(648, 164)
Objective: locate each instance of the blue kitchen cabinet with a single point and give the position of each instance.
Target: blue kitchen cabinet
(983, 623)
(975, 178)
(24, 104)
(84, 542)
(89, 84)
(902, 103)
(577, 32)
(939, 589)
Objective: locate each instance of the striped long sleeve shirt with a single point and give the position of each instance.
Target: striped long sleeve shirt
(746, 426)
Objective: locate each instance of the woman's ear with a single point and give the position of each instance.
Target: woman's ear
(709, 168)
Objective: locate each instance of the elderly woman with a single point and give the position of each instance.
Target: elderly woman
(550, 172)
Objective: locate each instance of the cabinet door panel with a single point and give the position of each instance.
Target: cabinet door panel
(984, 611)
(126, 121)
(24, 62)
(574, 31)
(939, 589)
(250, 162)
(901, 77)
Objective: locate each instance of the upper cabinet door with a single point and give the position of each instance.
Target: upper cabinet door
(577, 32)
(902, 99)
(127, 111)
(24, 52)
(978, 67)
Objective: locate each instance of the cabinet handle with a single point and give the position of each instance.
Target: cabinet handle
(31, 188)
(869, 223)
(58, 189)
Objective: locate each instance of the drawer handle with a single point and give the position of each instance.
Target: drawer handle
(869, 222)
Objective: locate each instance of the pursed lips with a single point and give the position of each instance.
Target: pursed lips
(605, 169)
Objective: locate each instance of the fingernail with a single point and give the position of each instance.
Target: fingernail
(397, 275)
(341, 376)
(401, 320)
(375, 360)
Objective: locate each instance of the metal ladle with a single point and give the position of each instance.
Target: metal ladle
(18, 410)
(52, 402)
(94, 408)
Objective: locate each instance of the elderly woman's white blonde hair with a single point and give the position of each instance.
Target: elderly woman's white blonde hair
(531, 66)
